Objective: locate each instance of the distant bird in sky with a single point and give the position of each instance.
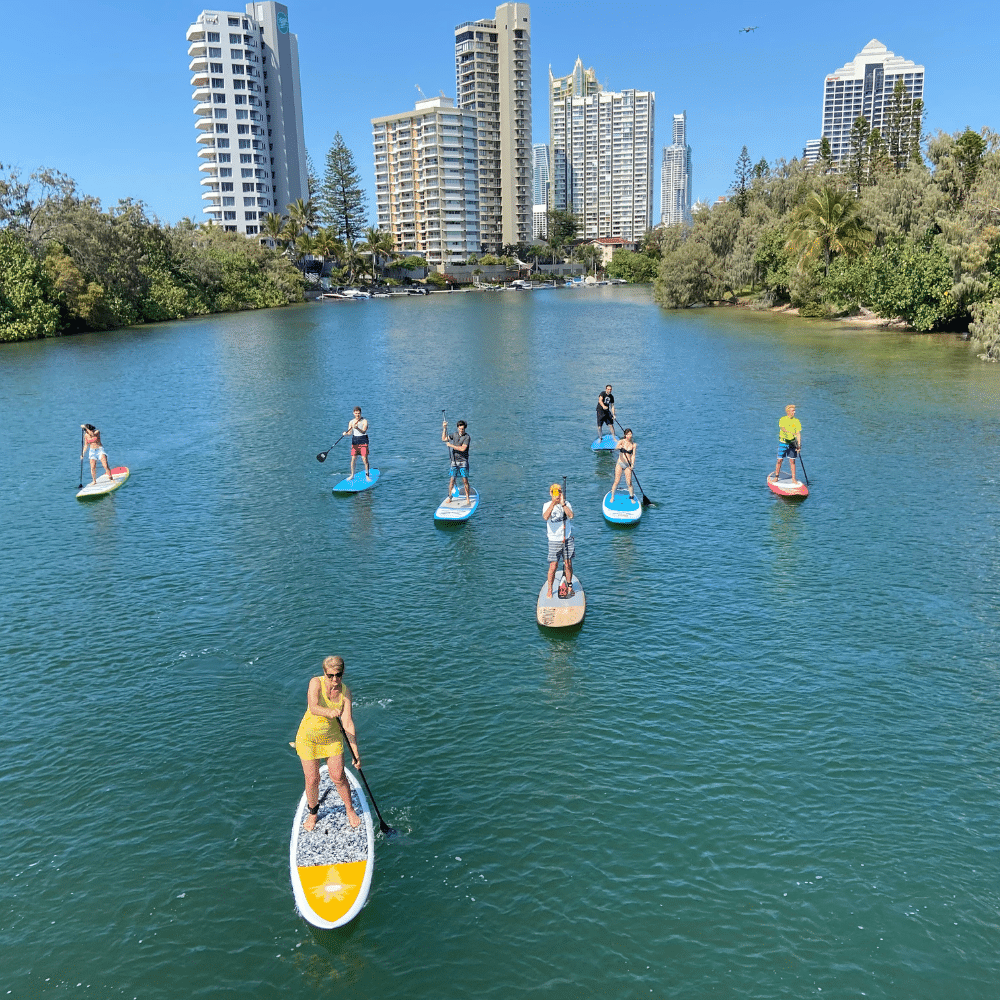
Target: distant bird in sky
(748, 30)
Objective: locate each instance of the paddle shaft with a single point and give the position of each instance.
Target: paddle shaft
(646, 502)
(321, 457)
(82, 433)
(798, 452)
(382, 825)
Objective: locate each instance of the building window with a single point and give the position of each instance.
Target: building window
(221, 128)
(215, 53)
(219, 98)
(235, 54)
(216, 68)
(243, 129)
(246, 157)
(249, 202)
(228, 186)
(246, 172)
(218, 82)
(229, 201)
(229, 215)
(238, 69)
(222, 143)
(231, 229)
(224, 158)
(248, 187)
(213, 36)
(251, 230)
(234, 22)
(245, 144)
(235, 39)
(242, 114)
(249, 215)
(226, 172)
(239, 98)
(239, 85)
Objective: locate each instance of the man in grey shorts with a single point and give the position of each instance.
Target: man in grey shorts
(458, 445)
(562, 545)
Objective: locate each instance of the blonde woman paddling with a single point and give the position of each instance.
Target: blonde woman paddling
(319, 737)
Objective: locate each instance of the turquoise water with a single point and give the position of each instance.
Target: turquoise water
(766, 766)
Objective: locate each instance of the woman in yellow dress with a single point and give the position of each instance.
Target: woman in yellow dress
(319, 736)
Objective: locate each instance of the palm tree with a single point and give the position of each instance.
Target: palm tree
(327, 245)
(302, 214)
(274, 228)
(379, 243)
(827, 222)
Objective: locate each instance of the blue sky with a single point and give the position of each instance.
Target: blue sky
(102, 92)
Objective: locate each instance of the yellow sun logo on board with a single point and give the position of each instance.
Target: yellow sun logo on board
(332, 888)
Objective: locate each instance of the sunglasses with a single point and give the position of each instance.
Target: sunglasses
(331, 676)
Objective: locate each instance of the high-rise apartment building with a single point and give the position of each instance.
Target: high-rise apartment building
(865, 87)
(562, 89)
(426, 180)
(493, 79)
(675, 176)
(601, 155)
(249, 114)
(540, 190)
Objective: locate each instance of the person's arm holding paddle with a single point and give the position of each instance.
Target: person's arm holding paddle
(347, 724)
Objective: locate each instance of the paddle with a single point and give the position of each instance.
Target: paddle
(802, 464)
(382, 825)
(646, 502)
(321, 457)
(82, 432)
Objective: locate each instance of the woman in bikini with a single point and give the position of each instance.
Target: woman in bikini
(92, 440)
(320, 736)
(626, 462)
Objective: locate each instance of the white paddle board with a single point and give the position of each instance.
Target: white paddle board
(455, 507)
(605, 443)
(787, 487)
(103, 484)
(331, 866)
(556, 612)
(358, 482)
(622, 510)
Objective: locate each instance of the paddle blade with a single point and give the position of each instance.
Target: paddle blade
(321, 457)
(646, 502)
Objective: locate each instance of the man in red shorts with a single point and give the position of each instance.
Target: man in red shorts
(358, 429)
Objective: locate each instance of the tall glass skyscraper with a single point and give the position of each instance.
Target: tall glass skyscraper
(675, 176)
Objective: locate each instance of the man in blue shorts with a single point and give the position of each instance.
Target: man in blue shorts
(458, 444)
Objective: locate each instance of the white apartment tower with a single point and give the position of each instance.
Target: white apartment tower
(427, 180)
(602, 157)
(493, 79)
(675, 176)
(540, 190)
(864, 87)
(249, 114)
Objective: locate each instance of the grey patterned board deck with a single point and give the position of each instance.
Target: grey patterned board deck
(554, 612)
(333, 840)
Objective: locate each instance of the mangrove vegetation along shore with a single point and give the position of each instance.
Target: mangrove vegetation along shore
(898, 236)
(67, 265)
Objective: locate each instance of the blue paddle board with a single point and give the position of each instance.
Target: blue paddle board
(456, 507)
(621, 510)
(357, 483)
(605, 443)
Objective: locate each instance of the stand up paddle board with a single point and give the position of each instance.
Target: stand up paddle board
(331, 865)
(622, 510)
(459, 509)
(103, 484)
(605, 443)
(357, 483)
(787, 487)
(556, 612)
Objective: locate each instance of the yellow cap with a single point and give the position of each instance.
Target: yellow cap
(555, 489)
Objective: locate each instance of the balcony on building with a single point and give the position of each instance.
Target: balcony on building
(198, 64)
(202, 94)
(206, 124)
(203, 110)
(198, 49)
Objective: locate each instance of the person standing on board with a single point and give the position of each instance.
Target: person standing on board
(319, 736)
(562, 544)
(626, 462)
(92, 440)
(358, 429)
(605, 411)
(789, 442)
(458, 444)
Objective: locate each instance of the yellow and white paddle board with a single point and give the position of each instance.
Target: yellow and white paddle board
(331, 865)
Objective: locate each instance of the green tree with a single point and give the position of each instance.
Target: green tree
(342, 201)
(903, 128)
(27, 309)
(379, 245)
(827, 224)
(985, 328)
(635, 268)
(742, 181)
(563, 227)
(857, 140)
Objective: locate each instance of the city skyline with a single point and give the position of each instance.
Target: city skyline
(736, 103)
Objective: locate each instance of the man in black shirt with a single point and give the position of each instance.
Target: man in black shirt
(605, 411)
(458, 444)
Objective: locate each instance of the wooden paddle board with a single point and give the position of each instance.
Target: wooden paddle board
(605, 443)
(459, 509)
(787, 487)
(357, 483)
(553, 612)
(103, 484)
(331, 866)
(622, 510)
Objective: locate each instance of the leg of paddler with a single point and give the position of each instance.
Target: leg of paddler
(310, 768)
(336, 767)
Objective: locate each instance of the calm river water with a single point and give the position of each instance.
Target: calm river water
(766, 766)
